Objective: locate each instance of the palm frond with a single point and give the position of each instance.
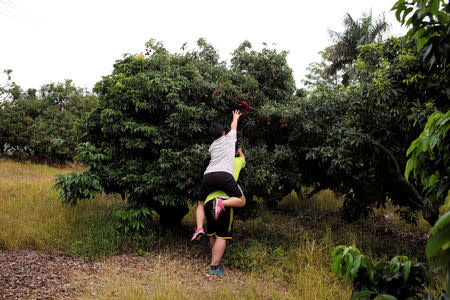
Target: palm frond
(365, 30)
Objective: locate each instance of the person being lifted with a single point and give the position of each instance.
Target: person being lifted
(219, 174)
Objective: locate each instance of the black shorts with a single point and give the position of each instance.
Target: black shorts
(219, 181)
(223, 226)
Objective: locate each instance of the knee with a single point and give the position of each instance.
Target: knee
(200, 205)
(243, 201)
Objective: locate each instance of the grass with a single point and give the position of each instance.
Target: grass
(323, 200)
(278, 255)
(167, 280)
(31, 214)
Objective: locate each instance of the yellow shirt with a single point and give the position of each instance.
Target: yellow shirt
(239, 163)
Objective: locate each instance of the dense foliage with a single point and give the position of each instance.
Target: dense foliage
(430, 158)
(429, 22)
(147, 138)
(41, 123)
(363, 131)
(355, 138)
(399, 278)
(430, 162)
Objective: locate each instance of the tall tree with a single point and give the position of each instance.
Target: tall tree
(41, 123)
(359, 32)
(354, 140)
(429, 154)
(147, 137)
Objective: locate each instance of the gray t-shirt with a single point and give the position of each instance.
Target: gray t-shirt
(222, 153)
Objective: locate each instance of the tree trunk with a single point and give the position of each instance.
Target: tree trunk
(416, 198)
(430, 212)
(171, 216)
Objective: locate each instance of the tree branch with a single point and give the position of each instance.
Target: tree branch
(398, 170)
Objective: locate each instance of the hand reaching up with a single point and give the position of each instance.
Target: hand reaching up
(236, 115)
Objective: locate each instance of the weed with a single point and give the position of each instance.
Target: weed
(133, 220)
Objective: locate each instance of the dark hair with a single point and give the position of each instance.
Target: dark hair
(215, 130)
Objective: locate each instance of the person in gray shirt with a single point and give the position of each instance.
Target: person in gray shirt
(219, 173)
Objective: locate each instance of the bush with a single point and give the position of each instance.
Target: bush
(147, 138)
(41, 124)
(396, 279)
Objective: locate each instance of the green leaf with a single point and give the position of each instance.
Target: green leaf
(421, 43)
(443, 258)
(434, 7)
(410, 165)
(360, 294)
(336, 265)
(337, 249)
(437, 241)
(442, 17)
(349, 262)
(406, 270)
(355, 268)
(422, 12)
(399, 6)
(367, 263)
(387, 297)
(441, 222)
(397, 12)
(407, 11)
(412, 147)
(431, 181)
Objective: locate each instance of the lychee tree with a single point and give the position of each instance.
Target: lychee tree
(147, 138)
(354, 139)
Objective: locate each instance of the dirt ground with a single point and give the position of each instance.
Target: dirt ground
(33, 274)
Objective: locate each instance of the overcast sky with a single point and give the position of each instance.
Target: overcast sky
(48, 41)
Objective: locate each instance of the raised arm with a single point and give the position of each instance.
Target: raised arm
(234, 123)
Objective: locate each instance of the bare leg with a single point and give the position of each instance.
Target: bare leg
(200, 214)
(212, 240)
(234, 202)
(217, 251)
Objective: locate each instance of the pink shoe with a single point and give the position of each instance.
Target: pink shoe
(198, 234)
(218, 207)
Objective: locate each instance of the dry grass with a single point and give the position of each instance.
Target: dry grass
(31, 214)
(166, 277)
(326, 200)
(274, 256)
(323, 200)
